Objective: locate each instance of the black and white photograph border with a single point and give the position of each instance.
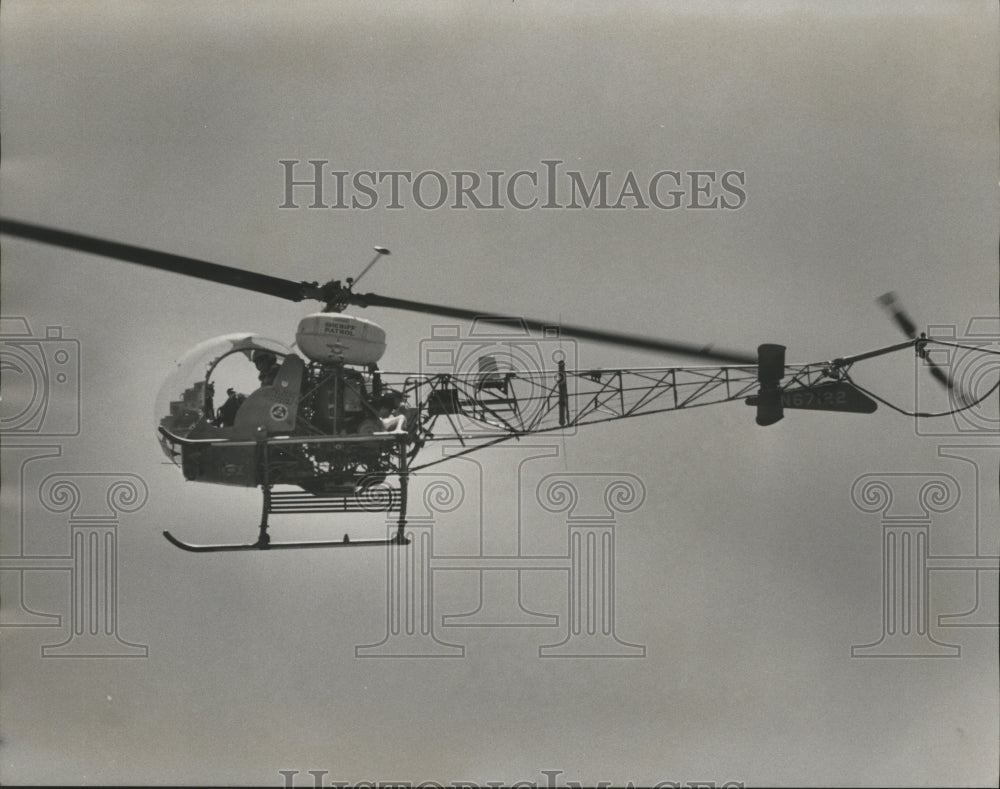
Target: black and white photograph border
(641, 425)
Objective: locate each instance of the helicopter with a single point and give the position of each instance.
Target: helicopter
(325, 430)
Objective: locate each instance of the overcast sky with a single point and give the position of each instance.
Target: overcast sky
(861, 139)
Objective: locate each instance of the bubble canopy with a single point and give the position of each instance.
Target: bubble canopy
(201, 379)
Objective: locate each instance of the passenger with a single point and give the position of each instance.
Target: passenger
(267, 366)
(227, 411)
(392, 415)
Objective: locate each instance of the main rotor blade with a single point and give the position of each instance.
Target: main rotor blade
(578, 332)
(178, 264)
(297, 291)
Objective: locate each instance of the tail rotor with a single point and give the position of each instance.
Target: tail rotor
(890, 303)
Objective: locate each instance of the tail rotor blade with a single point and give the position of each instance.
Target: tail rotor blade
(888, 300)
(891, 304)
(939, 375)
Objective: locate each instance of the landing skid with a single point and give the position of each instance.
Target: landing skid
(266, 545)
(357, 499)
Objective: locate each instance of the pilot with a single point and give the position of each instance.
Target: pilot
(226, 415)
(267, 366)
(209, 400)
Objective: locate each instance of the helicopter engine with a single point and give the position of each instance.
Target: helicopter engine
(330, 337)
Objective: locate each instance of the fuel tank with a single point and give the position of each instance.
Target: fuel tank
(333, 337)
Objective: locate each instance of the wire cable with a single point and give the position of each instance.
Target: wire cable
(922, 414)
(979, 349)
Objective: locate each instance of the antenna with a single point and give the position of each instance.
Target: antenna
(379, 251)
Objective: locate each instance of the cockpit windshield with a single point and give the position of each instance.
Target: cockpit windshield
(210, 381)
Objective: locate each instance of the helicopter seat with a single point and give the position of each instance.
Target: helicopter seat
(489, 375)
(272, 407)
(489, 380)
